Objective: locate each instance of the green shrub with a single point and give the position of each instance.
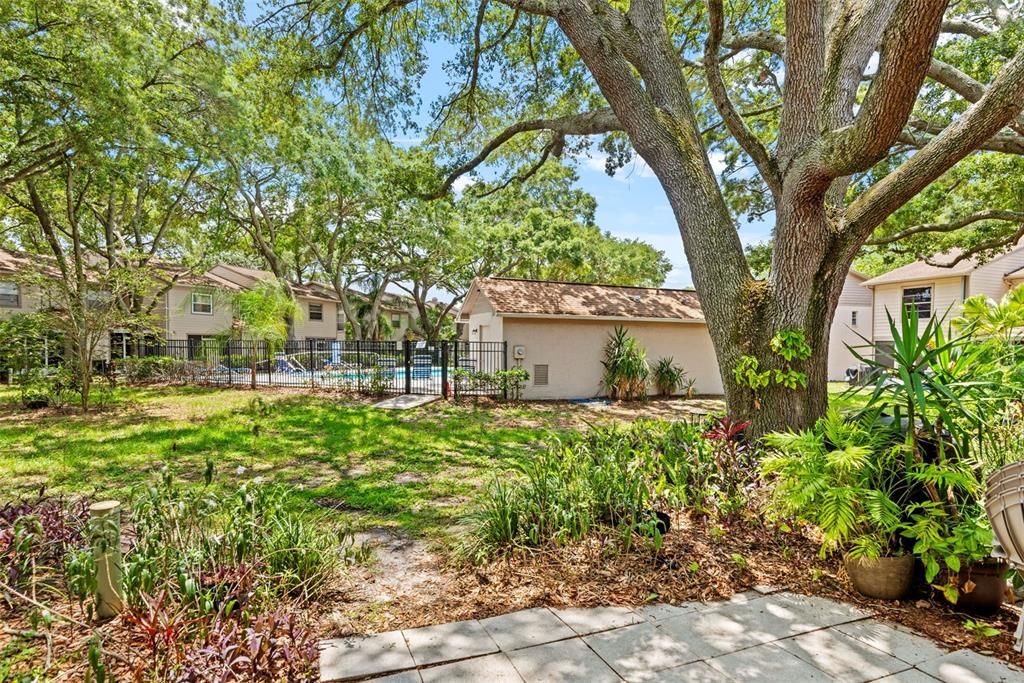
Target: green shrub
(668, 377)
(621, 481)
(625, 366)
(146, 369)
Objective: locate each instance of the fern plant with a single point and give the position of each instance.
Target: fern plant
(845, 478)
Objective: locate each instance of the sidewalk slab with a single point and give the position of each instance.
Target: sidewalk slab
(526, 628)
(842, 657)
(568, 661)
(585, 621)
(898, 641)
(357, 657)
(492, 668)
(967, 666)
(767, 663)
(449, 642)
(638, 652)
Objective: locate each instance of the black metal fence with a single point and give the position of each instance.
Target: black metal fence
(446, 368)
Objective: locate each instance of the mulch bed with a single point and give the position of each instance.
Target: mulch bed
(701, 560)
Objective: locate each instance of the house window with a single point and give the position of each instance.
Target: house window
(853, 318)
(202, 303)
(540, 375)
(920, 298)
(396, 320)
(316, 311)
(10, 295)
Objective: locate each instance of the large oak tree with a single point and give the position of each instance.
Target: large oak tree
(820, 97)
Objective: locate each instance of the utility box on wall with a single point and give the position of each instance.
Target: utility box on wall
(518, 352)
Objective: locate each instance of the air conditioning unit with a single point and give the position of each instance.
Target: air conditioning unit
(518, 352)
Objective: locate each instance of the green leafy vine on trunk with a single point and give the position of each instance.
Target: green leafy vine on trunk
(791, 347)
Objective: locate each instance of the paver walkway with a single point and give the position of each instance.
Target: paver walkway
(752, 637)
(406, 401)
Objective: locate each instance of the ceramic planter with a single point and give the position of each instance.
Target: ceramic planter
(989, 586)
(886, 578)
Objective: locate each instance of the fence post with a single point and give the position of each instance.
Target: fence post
(444, 370)
(407, 351)
(504, 366)
(455, 364)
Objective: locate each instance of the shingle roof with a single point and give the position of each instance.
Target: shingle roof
(535, 297)
(922, 270)
(309, 290)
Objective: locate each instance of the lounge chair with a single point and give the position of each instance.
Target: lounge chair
(1004, 503)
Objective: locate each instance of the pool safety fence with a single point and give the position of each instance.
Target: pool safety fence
(446, 368)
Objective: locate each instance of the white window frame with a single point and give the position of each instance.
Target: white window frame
(310, 309)
(917, 304)
(17, 295)
(207, 295)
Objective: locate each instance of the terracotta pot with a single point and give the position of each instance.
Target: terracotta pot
(989, 590)
(886, 578)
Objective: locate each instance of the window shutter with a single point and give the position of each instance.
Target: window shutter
(540, 375)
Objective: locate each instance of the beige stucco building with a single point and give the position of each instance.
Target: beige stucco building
(557, 330)
(938, 286)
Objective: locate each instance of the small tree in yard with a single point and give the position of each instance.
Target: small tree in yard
(262, 315)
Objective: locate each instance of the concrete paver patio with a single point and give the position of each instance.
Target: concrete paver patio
(753, 637)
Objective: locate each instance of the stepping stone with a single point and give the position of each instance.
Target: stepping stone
(766, 663)
(567, 661)
(967, 666)
(358, 657)
(638, 652)
(448, 642)
(735, 599)
(842, 657)
(898, 641)
(663, 611)
(492, 668)
(696, 672)
(526, 628)
(823, 611)
(585, 620)
(405, 402)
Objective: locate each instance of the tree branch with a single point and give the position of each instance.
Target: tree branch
(589, 123)
(903, 63)
(987, 215)
(963, 85)
(1002, 102)
(966, 27)
(734, 122)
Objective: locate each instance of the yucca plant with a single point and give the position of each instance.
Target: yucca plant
(625, 366)
(668, 377)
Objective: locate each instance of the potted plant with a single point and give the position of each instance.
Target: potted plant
(844, 477)
(942, 394)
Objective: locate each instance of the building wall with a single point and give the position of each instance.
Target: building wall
(573, 350)
(947, 295)
(843, 334)
(319, 329)
(483, 325)
(182, 322)
(30, 301)
(989, 279)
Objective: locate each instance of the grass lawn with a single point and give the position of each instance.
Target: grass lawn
(415, 470)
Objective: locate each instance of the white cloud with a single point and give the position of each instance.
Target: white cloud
(717, 160)
(462, 182)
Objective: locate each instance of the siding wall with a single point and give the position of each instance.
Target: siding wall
(988, 279)
(573, 350)
(181, 321)
(947, 295)
(30, 301)
(318, 329)
(843, 334)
